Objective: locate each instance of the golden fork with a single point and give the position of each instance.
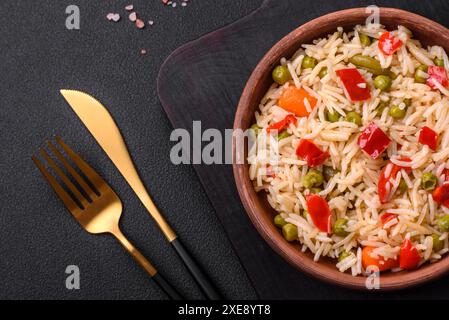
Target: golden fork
(96, 206)
(102, 126)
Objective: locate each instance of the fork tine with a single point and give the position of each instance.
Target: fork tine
(64, 178)
(63, 195)
(91, 193)
(90, 173)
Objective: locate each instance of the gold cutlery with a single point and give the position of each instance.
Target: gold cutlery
(105, 131)
(93, 203)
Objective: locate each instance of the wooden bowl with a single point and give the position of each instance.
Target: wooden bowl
(256, 205)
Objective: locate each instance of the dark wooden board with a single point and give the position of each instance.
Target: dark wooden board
(203, 80)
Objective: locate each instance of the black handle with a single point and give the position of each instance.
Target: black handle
(200, 277)
(166, 287)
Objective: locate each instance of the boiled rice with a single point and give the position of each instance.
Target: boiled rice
(352, 192)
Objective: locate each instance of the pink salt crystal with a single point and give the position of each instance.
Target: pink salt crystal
(115, 17)
(143, 51)
(109, 16)
(132, 16)
(140, 24)
(129, 7)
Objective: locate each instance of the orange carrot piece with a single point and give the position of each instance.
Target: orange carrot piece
(368, 260)
(292, 100)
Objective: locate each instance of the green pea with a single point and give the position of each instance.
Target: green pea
(256, 128)
(403, 187)
(364, 40)
(443, 223)
(418, 71)
(390, 73)
(308, 62)
(422, 67)
(396, 112)
(354, 117)
(343, 255)
(281, 75)
(313, 178)
(329, 172)
(332, 117)
(323, 72)
(438, 62)
(437, 243)
(290, 232)
(382, 82)
(407, 102)
(428, 181)
(315, 190)
(380, 108)
(284, 134)
(305, 213)
(279, 221)
(366, 62)
(339, 227)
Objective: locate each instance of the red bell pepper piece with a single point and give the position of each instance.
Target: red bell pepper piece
(441, 195)
(446, 174)
(389, 44)
(386, 217)
(428, 137)
(373, 141)
(308, 151)
(437, 74)
(384, 185)
(281, 125)
(355, 84)
(319, 212)
(408, 256)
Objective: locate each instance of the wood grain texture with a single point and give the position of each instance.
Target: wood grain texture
(204, 79)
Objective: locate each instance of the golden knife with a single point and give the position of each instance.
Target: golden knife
(105, 131)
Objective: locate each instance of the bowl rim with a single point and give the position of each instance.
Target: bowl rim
(291, 253)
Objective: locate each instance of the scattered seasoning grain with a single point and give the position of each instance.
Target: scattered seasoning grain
(173, 4)
(140, 24)
(143, 51)
(133, 16)
(113, 17)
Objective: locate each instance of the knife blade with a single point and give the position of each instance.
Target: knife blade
(103, 128)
